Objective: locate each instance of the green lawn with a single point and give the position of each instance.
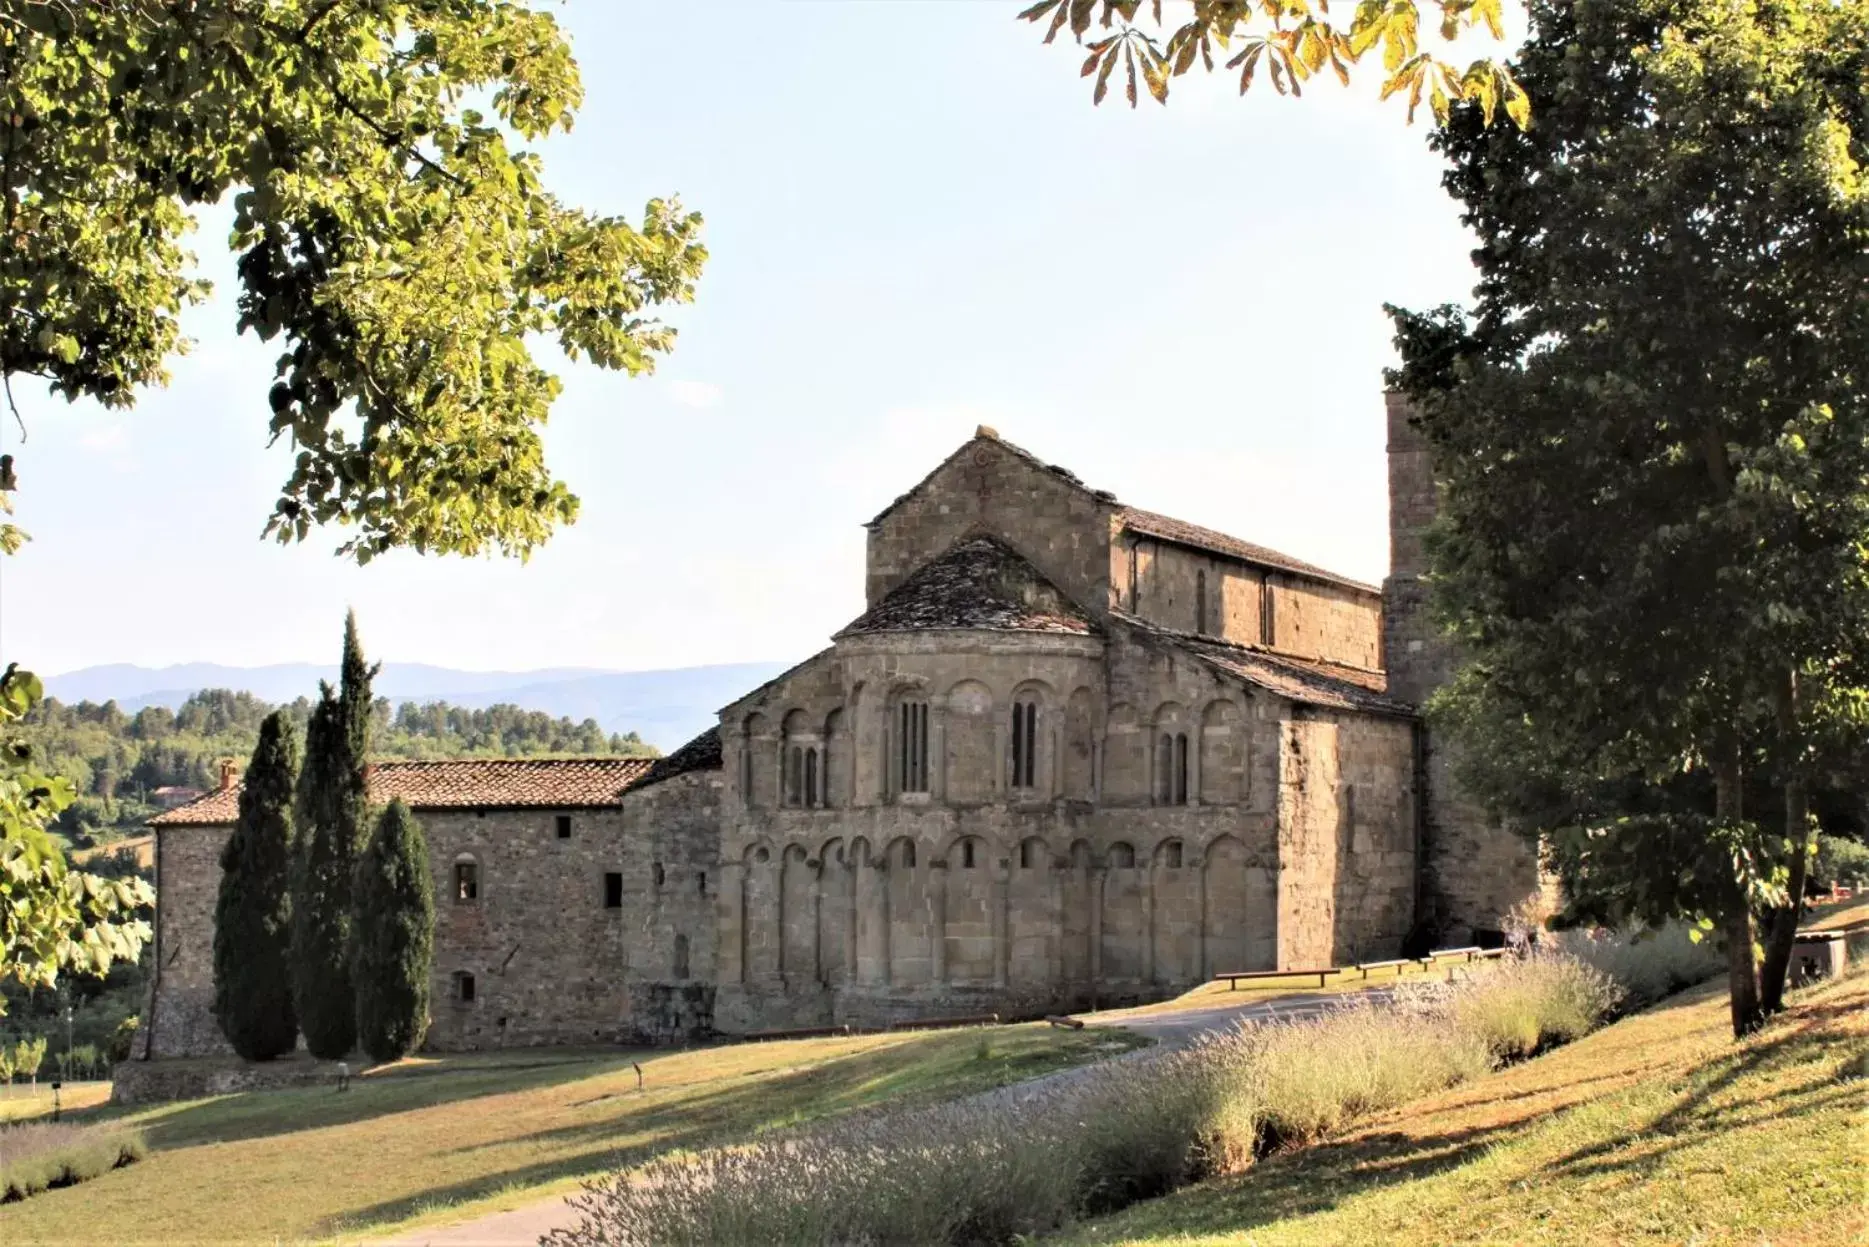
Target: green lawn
(1659, 1129)
(24, 1102)
(447, 1139)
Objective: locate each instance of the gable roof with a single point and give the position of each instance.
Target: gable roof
(980, 583)
(1329, 686)
(1182, 533)
(992, 438)
(460, 784)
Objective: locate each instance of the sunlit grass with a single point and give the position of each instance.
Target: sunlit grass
(450, 1138)
(1658, 1129)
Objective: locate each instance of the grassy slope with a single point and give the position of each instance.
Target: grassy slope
(1850, 913)
(1658, 1129)
(447, 1139)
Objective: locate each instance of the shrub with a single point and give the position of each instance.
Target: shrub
(1023, 1160)
(1515, 1009)
(122, 1039)
(37, 1156)
(1839, 861)
(1647, 963)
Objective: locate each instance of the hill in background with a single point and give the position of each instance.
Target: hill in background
(665, 708)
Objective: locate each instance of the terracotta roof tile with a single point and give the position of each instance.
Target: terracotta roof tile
(1167, 528)
(978, 584)
(461, 784)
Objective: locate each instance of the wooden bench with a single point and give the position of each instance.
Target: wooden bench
(1396, 965)
(1465, 954)
(1233, 980)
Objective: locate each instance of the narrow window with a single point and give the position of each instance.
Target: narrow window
(681, 956)
(913, 754)
(908, 856)
(966, 855)
(564, 826)
(795, 777)
(466, 882)
(464, 987)
(1164, 770)
(746, 771)
(1172, 856)
(811, 778)
(1025, 855)
(1181, 768)
(701, 883)
(1025, 744)
(655, 872)
(613, 887)
(1200, 602)
(1268, 629)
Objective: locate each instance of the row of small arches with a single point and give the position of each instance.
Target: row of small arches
(970, 852)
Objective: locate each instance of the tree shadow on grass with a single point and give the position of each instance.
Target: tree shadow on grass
(259, 1114)
(701, 1115)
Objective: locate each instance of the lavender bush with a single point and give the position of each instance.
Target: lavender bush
(35, 1156)
(1025, 1160)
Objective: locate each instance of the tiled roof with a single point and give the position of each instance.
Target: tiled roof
(977, 584)
(461, 784)
(1166, 528)
(1331, 686)
(700, 754)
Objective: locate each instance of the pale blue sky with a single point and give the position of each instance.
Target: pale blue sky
(918, 224)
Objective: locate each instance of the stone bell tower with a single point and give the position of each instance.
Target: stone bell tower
(1473, 870)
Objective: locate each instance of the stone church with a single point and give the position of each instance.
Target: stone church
(1072, 753)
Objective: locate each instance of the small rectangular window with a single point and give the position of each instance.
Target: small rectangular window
(613, 889)
(466, 881)
(564, 826)
(912, 740)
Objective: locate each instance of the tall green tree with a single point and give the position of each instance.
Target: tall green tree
(253, 916)
(354, 697)
(394, 234)
(393, 936)
(327, 813)
(1653, 436)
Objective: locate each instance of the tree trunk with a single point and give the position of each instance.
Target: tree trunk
(1742, 981)
(1783, 932)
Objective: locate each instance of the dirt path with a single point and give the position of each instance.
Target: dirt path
(522, 1227)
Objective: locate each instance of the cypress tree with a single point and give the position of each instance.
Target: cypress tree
(331, 814)
(392, 936)
(321, 875)
(252, 919)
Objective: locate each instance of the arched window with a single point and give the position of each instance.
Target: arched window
(466, 880)
(795, 777)
(1171, 855)
(811, 778)
(1031, 854)
(966, 855)
(1171, 768)
(1122, 856)
(1024, 744)
(912, 747)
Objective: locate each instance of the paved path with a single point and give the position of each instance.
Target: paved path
(522, 1227)
(1182, 1025)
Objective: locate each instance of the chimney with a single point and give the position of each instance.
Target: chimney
(230, 774)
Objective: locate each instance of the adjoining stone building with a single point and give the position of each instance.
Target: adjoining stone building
(1071, 753)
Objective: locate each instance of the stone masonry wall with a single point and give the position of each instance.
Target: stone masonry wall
(1194, 591)
(671, 883)
(188, 872)
(1475, 870)
(1058, 526)
(546, 954)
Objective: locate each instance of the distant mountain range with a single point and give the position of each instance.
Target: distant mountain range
(666, 707)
